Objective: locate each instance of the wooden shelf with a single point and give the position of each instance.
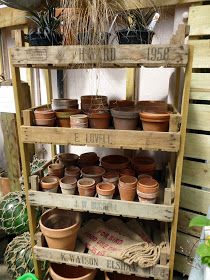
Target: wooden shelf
(109, 138)
(109, 56)
(113, 207)
(103, 263)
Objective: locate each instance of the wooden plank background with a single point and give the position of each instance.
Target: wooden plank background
(195, 192)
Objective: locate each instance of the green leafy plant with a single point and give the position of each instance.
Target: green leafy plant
(203, 249)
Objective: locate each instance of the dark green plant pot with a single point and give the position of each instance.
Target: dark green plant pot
(35, 39)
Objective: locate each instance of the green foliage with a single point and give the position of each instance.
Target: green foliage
(199, 221)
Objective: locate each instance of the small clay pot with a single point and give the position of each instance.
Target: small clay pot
(125, 118)
(121, 103)
(66, 272)
(111, 177)
(45, 122)
(126, 193)
(44, 113)
(73, 171)
(149, 198)
(86, 187)
(94, 172)
(88, 159)
(60, 104)
(5, 187)
(56, 169)
(105, 190)
(115, 162)
(99, 120)
(68, 185)
(127, 181)
(60, 228)
(144, 165)
(155, 121)
(68, 159)
(79, 121)
(63, 116)
(127, 171)
(49, 183)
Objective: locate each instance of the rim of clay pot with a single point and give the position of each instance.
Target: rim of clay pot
(68, 157)
(116, 162)
(68, 272)
(105, 188)
(66, 113)
(128, 180)
(154, 116)
(79, 116)
(86, 183)
(55, 166)
(89, 156)
(49, 182)
(73, 218)
(73, 170)
(93, 171)
(43, 110)
(125, 113)
(67, 180)
(148, 190)
(99, 116)
(148, 182)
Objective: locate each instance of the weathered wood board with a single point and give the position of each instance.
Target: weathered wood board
(201, 53)
(186, 244)
(183, 264)
(200, 86)
(198, 146)
(198, 117)
(199, 20)
(118, 56)
(110, 207)
(11, 17)
(165, 141)
(184, 220)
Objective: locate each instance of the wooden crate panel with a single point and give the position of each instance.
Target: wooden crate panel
(182, 264)
(195, 199)
(103, 263)
(197, 146)
(101, 56)
(201, 58)
(196, 173)
(183, 224)
(110, 138)
(200, 86)
(11, 17)
(100, 206)
(186, 244)
(199, 20)
(198, 117)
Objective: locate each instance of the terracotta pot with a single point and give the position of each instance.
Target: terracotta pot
(144, 176)
(68, 159)
(90, 102)
(144, 165)
(66, 272)
(63, 116)
(125, 118)
(115, 162)
(60, 228)
(73, 171)
(60, 104)
(56, 169)
(44, 113)
(127, 171)
(79, 121)
(121, 103)
(111, 177)
(153, 106)
(116, 276)
(4, 185)
(86, 187)
(49, 183)
(155, 121)
(147, 197)
(105, 190)
(99, 120)
(127, 181)
(45, 122)
(68, 185)
(88, 159)
(94, 172)
(126, 193)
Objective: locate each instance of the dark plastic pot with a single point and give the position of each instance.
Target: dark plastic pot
(35, 39)
(126, 36)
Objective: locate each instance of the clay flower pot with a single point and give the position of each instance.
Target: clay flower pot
(155, 121)
(111, 177)
(125, 118)
(60, 228)
(148, 185)
(144, 176)
(127, 181)
(147, 198)
(79, 121)
(88, 159)
(56, 169)
(127, 187)
(127, 171)
(73, 171)
(60, 104)
(99, 120)
(105, 190)
(93, 172)
(49, 184)
(144, 165)
(45, 122)
(68, 185)
(86, 187)
(68, 159)
(66, 272)
(115, 162)
(63, 116)
(44, 117)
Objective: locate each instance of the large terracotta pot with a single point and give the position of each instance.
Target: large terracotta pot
(68, 159)
(60, 228)
(88, 159)
(125, 118)
(155, 121)
(115, 162)
(99, 120)
(66, 272)
(44, 117)
(144, 165)
(63, 116)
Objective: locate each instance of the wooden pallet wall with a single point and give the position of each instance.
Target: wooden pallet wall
(195, 193)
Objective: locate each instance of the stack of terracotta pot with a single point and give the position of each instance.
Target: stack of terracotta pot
(44, 117)
(127, 187)
(79, 121)
(147, 190)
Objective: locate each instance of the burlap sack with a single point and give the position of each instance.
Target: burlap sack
(115, 239)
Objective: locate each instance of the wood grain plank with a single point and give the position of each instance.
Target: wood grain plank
(199, 20)
(200, 86)
(184, 220)
(101, 56)
(102, 138)
(201, 53)
(183, 264)
(197, 146)
(198, 117)
(11, 17)
(195, 199)
(186, 244)
(196, 173)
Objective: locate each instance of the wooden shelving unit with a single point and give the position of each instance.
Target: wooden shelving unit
(130, 56)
